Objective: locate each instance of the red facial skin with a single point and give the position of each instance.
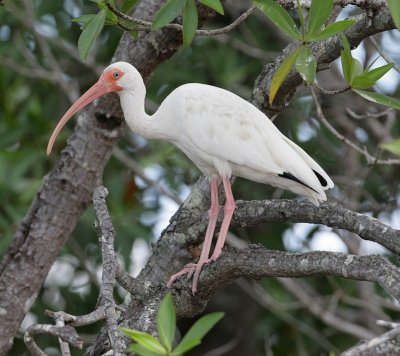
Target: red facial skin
(107, 83)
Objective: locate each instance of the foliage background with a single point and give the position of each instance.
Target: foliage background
(40, 74)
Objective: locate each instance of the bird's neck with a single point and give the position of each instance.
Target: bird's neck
(132, 103)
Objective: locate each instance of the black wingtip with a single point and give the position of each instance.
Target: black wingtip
(290, 176)
(321, 179)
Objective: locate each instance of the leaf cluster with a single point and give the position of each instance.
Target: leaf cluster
(358, 78)
(148, 345)
(302, 58)
(92, 24)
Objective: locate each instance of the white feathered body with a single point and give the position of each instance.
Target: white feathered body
(224, 134)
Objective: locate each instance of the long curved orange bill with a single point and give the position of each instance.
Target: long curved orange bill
(98, 89)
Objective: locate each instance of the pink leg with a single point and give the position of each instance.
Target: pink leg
(205, 252)
(229, 208)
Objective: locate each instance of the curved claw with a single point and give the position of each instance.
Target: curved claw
(191, 269)
(188, 269)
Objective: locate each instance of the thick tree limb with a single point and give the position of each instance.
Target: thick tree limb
(257, 262)
(329, 214)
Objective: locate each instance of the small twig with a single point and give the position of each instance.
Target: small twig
(368, 115)
(323, 313)
(365, 346)
(371, 160)
(388, 324)
(135, 167)
(105, 232)
(383, 54)
(65, 333)
(331, 92)
(64, 346)
(135, 28)
(125, 280)
(259, 294)
(374, 4)
(147, 24)
(78, 320)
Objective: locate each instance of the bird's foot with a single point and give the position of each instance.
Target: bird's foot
(191, 269)
(188, 269)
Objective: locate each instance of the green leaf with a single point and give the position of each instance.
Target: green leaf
(379, 72)
(352, 67)
(281, 73)
(200, 328)
(190, 21)
(166, 320)
(188, 345)
(167, 13)
(319, 13)
(331, 30)
(143, 351)
(102, 4)
(146, 340)
(84, 18)
(346, 59)
(128, 5)
(362, 82)
(394, 8)
(111, 19)
(306, 64)
(368, 79)
(90, 32)
(379, 98)
(279, 16)
(392, 146)
(214, 4)
(356, 69)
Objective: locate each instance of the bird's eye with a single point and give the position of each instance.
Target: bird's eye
(116, 75)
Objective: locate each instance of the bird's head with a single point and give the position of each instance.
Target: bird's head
(115, 78)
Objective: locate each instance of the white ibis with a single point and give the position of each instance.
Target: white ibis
(221, 133)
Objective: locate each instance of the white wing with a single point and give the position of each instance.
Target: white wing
(224, 134)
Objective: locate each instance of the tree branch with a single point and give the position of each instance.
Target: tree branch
(373, 343)
(325, 52)
(371, 160)
(147, 24)
(105, 231)
(256, 212)
(65, 333)
(257, 262)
